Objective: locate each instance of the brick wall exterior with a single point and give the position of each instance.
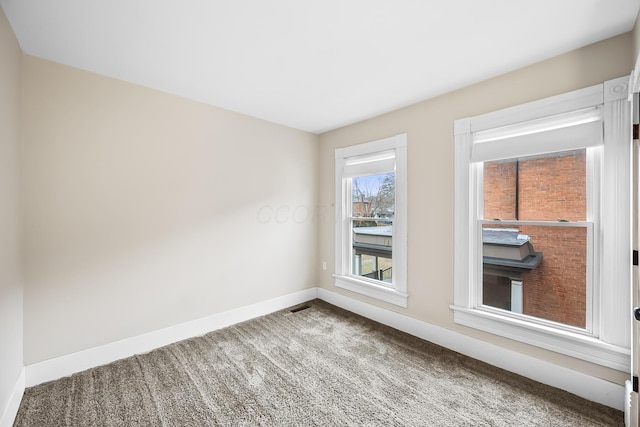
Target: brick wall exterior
(556, 290)
(500, 190)
(550, 188)
(553, 188)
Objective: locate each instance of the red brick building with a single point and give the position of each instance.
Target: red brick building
(543, 188)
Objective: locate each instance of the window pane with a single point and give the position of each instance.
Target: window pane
(547, 187)
(373, 200)
(374, 196)
(374, 267)
(540, 271)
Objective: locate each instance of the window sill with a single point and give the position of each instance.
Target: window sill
(569, 343)
(372, 290)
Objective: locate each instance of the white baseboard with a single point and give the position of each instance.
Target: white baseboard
(586, 386)
(11, 410)
(68, 364)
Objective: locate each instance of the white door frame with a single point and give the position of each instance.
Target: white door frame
(634, 409)
(632, 418)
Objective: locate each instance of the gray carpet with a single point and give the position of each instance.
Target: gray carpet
(320, 366)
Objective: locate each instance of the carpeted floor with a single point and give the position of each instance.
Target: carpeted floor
(320, 366)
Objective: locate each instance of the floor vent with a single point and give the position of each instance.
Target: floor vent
(300, 308)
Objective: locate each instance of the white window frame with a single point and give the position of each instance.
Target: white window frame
(606, 340)
(395, 292)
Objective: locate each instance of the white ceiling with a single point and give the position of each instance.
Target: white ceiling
(311, 65)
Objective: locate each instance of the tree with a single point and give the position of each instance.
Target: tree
(374, 195)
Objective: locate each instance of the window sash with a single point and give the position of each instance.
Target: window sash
(592, 223)
(380, 160)
(590, 281)
(350, 273)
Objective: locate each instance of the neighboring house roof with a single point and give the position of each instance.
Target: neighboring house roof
(374, 241)
(506, 249)
(385, 230)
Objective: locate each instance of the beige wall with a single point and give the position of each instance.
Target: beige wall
(144, 210)
(10, 270)
(429, 126)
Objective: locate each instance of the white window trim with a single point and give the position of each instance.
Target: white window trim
(397, 293)
(609, 343)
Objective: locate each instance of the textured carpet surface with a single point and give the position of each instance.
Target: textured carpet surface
(320, 366)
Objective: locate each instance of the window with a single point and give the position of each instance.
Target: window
(536, 233)
(542, 223)
(371, 236)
